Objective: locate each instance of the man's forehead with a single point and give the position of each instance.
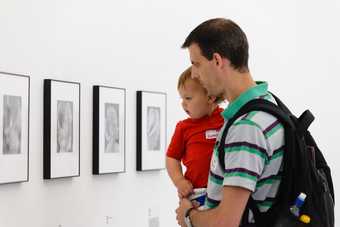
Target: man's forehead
(195, 52)
(194, 48)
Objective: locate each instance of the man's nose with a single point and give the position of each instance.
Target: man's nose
(194, 73)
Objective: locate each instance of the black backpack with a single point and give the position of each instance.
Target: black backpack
(304, 170)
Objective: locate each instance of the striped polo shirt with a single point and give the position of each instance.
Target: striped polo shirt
(253, 153)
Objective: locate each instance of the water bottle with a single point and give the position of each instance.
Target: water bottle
(295, 209)
(293, 218)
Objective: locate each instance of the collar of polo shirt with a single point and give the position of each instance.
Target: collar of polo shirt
(260, 89)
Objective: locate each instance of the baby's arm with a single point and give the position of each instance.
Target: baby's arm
(174, 168)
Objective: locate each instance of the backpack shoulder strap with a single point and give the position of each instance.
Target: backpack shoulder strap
(302, 123)
(253, 105)
(281, 105)
(270, 108)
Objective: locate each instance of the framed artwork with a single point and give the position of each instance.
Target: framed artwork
(151, 130)
(108, 130)
(61, 129)
(14, 127)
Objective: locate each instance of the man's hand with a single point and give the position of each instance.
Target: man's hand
(184, 205)
(227, 213)
(184, 188)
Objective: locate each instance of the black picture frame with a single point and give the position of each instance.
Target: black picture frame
(151, 130)
(15, 124)
(109, 122)
(61, 141)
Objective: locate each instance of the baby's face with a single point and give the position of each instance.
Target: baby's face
(195, 100)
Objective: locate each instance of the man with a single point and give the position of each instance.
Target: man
(253, 148)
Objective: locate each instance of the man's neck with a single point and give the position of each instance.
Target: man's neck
(238, 84)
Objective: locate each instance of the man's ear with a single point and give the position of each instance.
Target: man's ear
(220, 61)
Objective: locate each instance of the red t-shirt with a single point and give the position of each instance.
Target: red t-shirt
(193, 143)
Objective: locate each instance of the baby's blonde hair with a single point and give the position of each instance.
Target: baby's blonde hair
(186, 75)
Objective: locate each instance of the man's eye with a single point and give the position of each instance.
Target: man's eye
(188, 98)
(195, 64)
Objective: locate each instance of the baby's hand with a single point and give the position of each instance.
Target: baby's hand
(184, 188)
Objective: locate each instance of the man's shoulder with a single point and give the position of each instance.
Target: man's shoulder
(258, 119)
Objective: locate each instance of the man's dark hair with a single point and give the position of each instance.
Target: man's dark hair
(222, 36)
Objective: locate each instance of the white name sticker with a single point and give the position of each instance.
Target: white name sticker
(211, 134)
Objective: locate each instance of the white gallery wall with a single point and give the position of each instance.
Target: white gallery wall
(294, 45)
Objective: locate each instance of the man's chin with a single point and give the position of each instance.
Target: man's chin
(215, 94)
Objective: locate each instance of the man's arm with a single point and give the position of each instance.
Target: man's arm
(227, 214)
